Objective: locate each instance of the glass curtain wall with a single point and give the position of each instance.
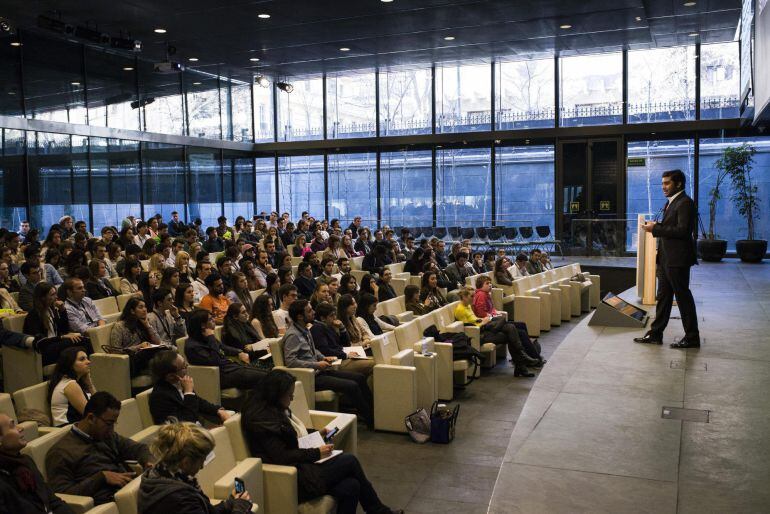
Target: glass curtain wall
(406, 188)
(301, 112)
(163, 177)
(264, 172)
(524, 94)
(301, 185)
(591, 89)
(205, 185)
(115, 181)
(463, 97)
(405, 101)
(524, 182)
(661, 84)
(719, 80)
(203, 107)
(12, 190)
(238, 192)
(463, 187)
(353, 187)
(351, 105)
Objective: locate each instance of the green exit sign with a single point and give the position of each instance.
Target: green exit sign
(637, 162)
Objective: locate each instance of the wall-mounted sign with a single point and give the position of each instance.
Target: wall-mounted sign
(604, 205)
(574, 207)
(637, 162)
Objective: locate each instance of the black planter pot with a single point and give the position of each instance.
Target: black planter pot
(751, 250)
(712, 250)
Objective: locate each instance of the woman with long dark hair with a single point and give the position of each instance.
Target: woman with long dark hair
(97, 285)
(47, 322)
(429, 291)
(240, 292)
(272, 433)
(262, 320)
(132, 272)
(134, 334)
(184, 299)
(273, 284)
(368, 285)
(238, 332)
(416, 262)
(70, 386)
(367, 304)
(348, 285)
(357, 328)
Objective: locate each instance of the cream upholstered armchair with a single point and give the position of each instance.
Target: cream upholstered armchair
(409, 336)
(206, 379)
(6, 407)
(38, 448)
(404, 381)
(280, 482)
(22, 367)
(34, 397)
(520, 307)
(131, 425)
(324, 400)
(105, 508)
(108, 308)
(112, 372)
(395, 307)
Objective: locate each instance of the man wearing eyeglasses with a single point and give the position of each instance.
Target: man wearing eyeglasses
(92, 460)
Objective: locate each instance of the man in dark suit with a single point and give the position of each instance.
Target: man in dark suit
(173, 393)
(676, 254)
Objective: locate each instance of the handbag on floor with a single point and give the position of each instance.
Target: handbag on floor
(442, 423)
(418, 425)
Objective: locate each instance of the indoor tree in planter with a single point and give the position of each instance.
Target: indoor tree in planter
(711, 248)
(745, 199)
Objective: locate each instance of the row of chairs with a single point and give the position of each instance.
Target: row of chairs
(521, 238)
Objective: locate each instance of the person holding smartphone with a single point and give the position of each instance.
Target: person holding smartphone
(171, 486)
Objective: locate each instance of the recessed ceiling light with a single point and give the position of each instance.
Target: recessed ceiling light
(159, 31)
(128, 68)
(449, 38)
(344, 49)
(386, 1)
(15, 43)
(197, 83)
(11, 92)
(565, 26)
(254, 59)
(263, 15)
(689, 4)
(193, 59)
(75, 83)
(638, 18)
(693, 34)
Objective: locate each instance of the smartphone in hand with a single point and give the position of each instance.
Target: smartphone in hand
(330, 435)
(240, 487)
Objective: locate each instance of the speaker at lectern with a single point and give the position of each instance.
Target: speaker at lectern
(645, 264)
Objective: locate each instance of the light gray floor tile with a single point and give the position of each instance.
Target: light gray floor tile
(623, 378)
(729, 382)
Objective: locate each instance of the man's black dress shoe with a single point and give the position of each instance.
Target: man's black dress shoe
(648, 339)
(684, 343)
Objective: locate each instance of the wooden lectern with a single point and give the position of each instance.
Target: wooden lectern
(645, 264)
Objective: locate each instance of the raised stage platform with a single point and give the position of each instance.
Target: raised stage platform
(592, 435)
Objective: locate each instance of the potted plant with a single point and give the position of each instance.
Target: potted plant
(745, 199)
(710, 247)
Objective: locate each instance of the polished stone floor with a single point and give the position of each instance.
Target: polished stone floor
(459, 477)
(590, 437)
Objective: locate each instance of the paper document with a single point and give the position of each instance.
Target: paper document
(355, 349)
(314, 440)
(260, 345)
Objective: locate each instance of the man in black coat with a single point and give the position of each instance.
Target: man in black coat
(173, 393)
(676, 254)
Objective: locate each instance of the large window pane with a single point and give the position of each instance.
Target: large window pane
(463, 100)
(203, 105)
(239, 185)
(58, 177)
(353, 187)
(205, 187)
(111, 89)
(263, 113)
(647, 160)
(405, 102)
(163, 180)
(661, 84)
(161, 97)
(351, 105)
(524, 186)
(12, 190)
(719, 80)
(730, 225)
(300, 113)
(10, 92)
(53, 80)
(406, 185)
(265, 176)
(239, 101)
(115, 181)
(301, 185)
(591, 89)
(524, 94)
(463, 187)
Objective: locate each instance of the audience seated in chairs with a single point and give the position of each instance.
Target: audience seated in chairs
(173, 394)
(203, 349)
(330, 337)
(70, 386)
(32, 276)
(429, 290)
(413, 303)
(166, 319)
(367, 304)
(272, 433)
(98, 285)
(91, 459)
(305, 282)
(129, 284)
(534, 266)
(184, 301)
(135, 336)
(182, 450)
(215, 301)
(502, 271)
(519, 268)
(49, 324)
(22, 488)
(357, 329)
(457, 272)
(238, 332)
(82, 313)
(288, 294)
(300, 352)
(262, 317)
(240, 291)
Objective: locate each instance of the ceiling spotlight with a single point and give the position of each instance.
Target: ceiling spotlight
(126, 44)
(75, 83)
(159, 31)
(284, 86)
(565, 26)
(693, 34)
(449, 38)
(193, 59)
(128, 68)
(141, 103)
(4, 25)
(15, 43)
(11, 92)
(689, 4)
(344, 49)
(254, 59)
(386, 1)
(197, 83)
(262, 81)
(638, 18)
(264, 16)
